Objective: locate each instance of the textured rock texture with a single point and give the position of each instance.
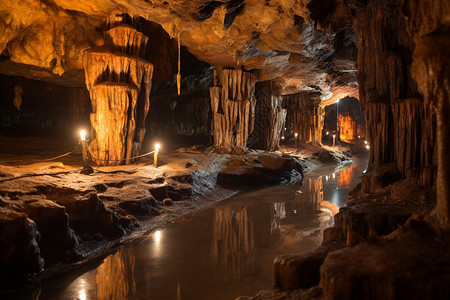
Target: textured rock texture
(279, 38)
(388, 94)
(119, 82)
(305, 118)
(431, 70)
(233, 107)
(270, 117)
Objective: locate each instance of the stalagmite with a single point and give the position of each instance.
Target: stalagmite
(305, 117)
(233, 106)
(119, 83)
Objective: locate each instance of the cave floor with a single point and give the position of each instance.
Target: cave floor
(118, 203)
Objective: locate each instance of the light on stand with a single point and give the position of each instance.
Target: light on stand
(86, 168)
(155, 155)
(83, 135)
(296, 139)
(334, 140)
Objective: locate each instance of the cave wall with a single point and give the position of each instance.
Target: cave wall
(401, 126)
(45, 109)
(304, 116)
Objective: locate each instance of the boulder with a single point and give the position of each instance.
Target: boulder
(382, 176)
(298, 271)
(87, 214)
(58, 241)
(19, 250)
(140, 208)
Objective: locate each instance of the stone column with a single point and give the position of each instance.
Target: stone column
(400, 125)
(233, 107)
(119, 83)
(270, 117)
(428, 21)
(305, 116)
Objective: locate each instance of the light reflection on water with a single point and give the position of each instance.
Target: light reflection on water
(219, 252)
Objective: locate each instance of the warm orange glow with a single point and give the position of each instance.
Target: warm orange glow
(157, 146)
(348, 129)
(345, 177)
(332, 207)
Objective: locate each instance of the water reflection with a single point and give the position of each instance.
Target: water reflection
(347, 176)
(232, 247)
(114, 279)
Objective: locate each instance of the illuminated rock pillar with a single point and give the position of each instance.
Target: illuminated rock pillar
(119, 83)
(233, 107)
(305, 116)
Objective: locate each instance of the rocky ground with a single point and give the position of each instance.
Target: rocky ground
(53, 217)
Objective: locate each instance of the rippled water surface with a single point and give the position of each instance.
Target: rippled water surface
(219, 252)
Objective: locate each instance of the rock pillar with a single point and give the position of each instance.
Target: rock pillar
(400, 124)
(428, 21)
(119, 83)
(233, 107)
(270, 117)
(305, 116)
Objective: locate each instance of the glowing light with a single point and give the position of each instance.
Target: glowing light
(365, 142)
(334, 175)
(296, 134)
(282, 137)
(359, 136)
(284, 128)
(367, 147)
(328, 132)
(82, 291)
(157, 146)
(326, 178)
(157, 236)
(334, 136)
(83, 135)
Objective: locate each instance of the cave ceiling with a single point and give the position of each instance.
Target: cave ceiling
(303, 45)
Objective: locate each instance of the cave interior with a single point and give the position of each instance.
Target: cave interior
(236, 75)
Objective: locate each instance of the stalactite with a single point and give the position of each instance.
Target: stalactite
(119, 83)
(270, 117)
(305, 116)
(233, 105)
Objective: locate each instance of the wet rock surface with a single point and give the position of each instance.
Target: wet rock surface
(57, 215)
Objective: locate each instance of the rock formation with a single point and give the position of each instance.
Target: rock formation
(270, 117)
(389, 95)
(305, 116)
(119, 82)
(233, 107)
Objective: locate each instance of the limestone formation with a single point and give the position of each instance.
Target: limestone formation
(270, 117)
(233, 107)
(304, 120)
(119, 82)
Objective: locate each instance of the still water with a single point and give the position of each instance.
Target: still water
(219, 252)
